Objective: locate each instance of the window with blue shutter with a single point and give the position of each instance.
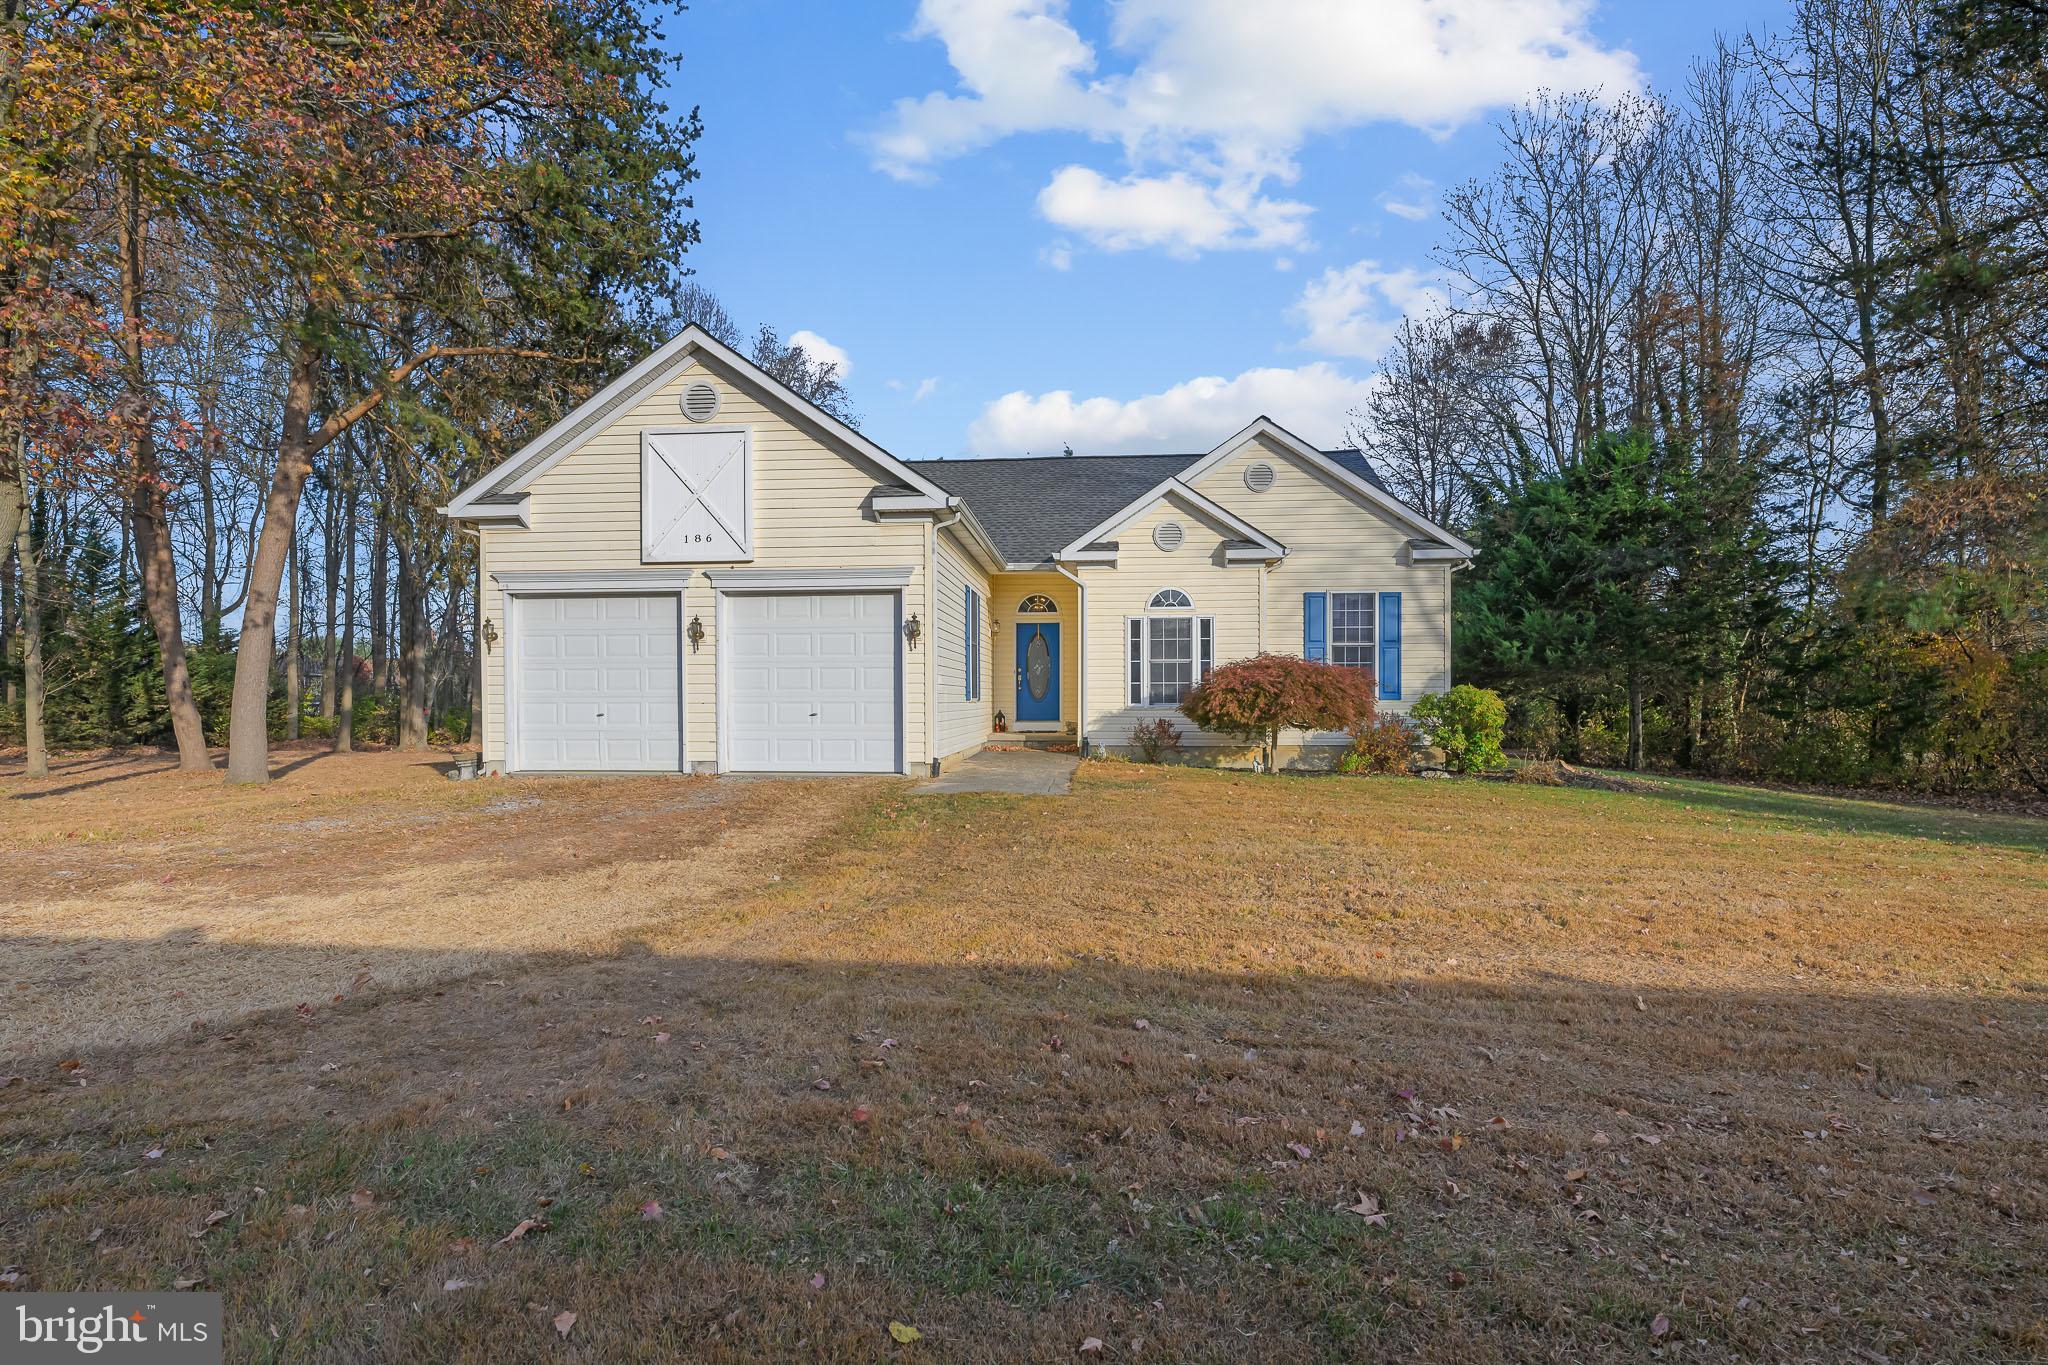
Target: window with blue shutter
(1315, 625)
(1390, 646)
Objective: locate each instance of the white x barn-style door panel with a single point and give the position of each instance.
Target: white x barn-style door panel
(696, 496)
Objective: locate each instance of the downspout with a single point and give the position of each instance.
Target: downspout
(1081, 674)
(931, 657)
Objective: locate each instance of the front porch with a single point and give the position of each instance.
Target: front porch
(1035, 678)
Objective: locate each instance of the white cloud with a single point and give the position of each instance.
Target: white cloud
(1227, 93)
(1058, 255)
(1311, 401)
(1413, 198)
(1354, 311)
(819, 349)
(923, 389)
(1177, 212)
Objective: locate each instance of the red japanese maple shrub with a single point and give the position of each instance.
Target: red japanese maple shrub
(1255, 699)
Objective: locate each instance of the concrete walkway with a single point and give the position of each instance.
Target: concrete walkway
(1019, 772)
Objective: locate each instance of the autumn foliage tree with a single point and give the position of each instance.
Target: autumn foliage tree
(1256, 699)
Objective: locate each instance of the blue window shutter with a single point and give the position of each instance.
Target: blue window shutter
(1390, 646)
(1315, 625)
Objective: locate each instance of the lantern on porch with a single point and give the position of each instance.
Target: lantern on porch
(1002, 723)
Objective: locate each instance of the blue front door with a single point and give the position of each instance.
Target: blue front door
(1038, 671)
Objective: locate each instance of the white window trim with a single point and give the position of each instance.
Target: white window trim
(1204, 665)
(977, 612)
(1152, 603)
(1372, 645)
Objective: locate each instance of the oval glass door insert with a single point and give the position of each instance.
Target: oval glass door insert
(1037, 667)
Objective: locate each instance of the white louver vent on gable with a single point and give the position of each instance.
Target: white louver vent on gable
(700, 402)
(696, 496)
(1258, 476)
(1168, 535)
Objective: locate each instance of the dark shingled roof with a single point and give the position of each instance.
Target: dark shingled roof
(1034, 506)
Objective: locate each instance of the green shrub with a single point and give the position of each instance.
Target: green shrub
(1381, 744)
(1154, 739)
(1466, 723)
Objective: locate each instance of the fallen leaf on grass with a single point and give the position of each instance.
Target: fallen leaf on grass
(213, 1220)
(1141, 1025)
(1579, 1174)
(818, 1280)
(1090, 1346)
(70, 1064)
(362, 1199)
(1659, 1325)
(525, 1226)
(1457, 1280)
(1357, 1128)
(1300, 1150)
(187, 1284)
(904, 1333)
(564, 1320)
(661, 1037)
(860, 1113)
(453, 1285)
(651, 1211)
(153, 1154)
(1368, 1208)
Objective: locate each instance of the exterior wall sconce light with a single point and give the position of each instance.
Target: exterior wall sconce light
(490, 634)
(695, 633)
(912, 629)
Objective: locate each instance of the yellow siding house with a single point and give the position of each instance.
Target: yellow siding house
(697, 570)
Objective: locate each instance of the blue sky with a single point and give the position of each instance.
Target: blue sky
(1131, 226)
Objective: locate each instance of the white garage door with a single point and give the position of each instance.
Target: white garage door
(597, 688)
(811, 682)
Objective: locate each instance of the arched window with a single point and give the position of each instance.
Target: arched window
(1170, 599)
(1038, 604)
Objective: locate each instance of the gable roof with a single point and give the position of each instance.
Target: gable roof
(505, 484)
(1035, 506)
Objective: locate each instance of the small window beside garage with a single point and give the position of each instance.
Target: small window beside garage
(972, 645)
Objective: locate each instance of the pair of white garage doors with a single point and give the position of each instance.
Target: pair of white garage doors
(808, 683)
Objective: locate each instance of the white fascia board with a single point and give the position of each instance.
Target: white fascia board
(674, 357)
(593, 580)
(1438, 554)
(915, 502)
(811, 580)
(1175, 487)
(1392, 506)
(492, 514)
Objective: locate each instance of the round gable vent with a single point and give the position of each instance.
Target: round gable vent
(700, 402)
(1168, 535)
(1258, 476)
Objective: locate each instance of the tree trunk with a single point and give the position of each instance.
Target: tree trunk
(380, 604)
(32, 652)
(331, 553)
(345, 684)
(412, 624)
(248, 734)
(294, 678)
(156, 566)
(1635, 720)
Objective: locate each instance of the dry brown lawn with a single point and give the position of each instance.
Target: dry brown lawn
(1703, 1074)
